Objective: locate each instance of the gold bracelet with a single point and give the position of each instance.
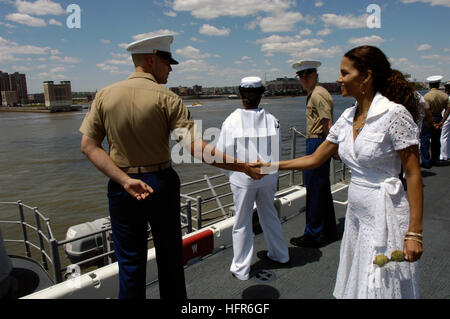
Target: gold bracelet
(414, 234)
(415, 239)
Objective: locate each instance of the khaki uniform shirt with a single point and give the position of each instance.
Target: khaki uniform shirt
(137, 116)
(319, 105)
(436, 101)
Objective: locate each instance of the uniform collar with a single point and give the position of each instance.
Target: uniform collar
(376, 108)
(142, 75)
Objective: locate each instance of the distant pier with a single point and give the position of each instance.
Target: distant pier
(40, 109)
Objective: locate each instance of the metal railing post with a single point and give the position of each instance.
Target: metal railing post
(189, 216)
(199, 212)
(333, 171)
(41, 241)
(56, 260)
(24, 229)
(293, 152)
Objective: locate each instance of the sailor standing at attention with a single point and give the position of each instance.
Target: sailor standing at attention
(137, 116)
(320, 217)
(255, 135)
(436, 101)
(445, 146)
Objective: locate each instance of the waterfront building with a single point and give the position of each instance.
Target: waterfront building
(58, 96)
(37, 98)
(15, 82)
(284, 86)
(9, 98)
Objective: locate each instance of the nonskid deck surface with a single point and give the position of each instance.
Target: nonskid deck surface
(311, 273)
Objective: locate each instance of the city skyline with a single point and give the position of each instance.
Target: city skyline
(216, 42)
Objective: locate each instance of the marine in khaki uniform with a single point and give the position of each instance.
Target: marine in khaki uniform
(320, 217)
(436, 101)
(137, 115)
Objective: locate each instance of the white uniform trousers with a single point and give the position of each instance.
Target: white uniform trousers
(444, 139)
(244, 199)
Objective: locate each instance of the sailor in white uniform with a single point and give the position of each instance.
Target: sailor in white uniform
(252, 134)
(445, 146)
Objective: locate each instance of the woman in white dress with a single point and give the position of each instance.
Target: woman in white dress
(374, 138)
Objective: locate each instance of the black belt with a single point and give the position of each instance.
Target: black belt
(147, 169)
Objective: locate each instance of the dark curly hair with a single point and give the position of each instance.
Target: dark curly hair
(390, 83)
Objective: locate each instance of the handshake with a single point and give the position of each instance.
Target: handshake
(260, 169)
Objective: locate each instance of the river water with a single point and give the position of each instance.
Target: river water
(41, 163)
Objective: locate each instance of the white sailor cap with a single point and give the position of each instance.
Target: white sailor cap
(306, 65)
(159, 45)
(434, 79)
(251, 82)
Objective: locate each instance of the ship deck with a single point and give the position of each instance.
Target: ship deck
(311, 273)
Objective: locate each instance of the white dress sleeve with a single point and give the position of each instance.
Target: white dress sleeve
(335, 130)
(402, 129)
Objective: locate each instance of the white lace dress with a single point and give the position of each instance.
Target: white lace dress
(377, 215)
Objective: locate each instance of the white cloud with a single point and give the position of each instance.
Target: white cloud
(55, 22)
(12, 48)
(213, 31)
(128, 61)
(424, 47)
(193, 66)
(58, 69)
(345, 22)
(154, 34)
(278, 39)
(170, 14)
(66, 59)
(26, 19)
(211, 9)
(374, 40)
(123, 45)
(437, 57)
(290, 47)
(111, 69)
(318, 4)
(105, 41)
(306, 32)
(314, 53)
(39, 7)
(54, 52)
(324, 32)
(282, 22)
(191, 53)
(21, 68)
(445, 3)
(7, 25)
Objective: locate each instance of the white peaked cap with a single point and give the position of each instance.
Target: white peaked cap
(306, 64)
(251, 82)
(159, 45)
(434, 78)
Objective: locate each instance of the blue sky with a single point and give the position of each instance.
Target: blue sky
(217, 42)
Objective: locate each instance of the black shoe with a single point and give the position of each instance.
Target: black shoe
(263, 255)
(306, 241)
(426, 166)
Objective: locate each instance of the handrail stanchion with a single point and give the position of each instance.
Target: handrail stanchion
(293, 152)
(105, 248)
(199, 212)
(24, 229)
(56, 260)
(189, 216)
(41, 241)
